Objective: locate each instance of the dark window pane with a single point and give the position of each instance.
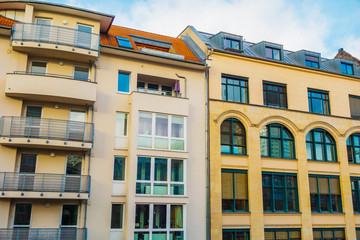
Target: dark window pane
(69, 215)
(159, 219)
(22, 214)
(160, 173)
(142, 216)
(117, 216)
(143, 168)
(119, 169)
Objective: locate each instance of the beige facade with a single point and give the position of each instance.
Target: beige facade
(61, 128)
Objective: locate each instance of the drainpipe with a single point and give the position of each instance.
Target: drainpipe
(208, 223)
(185, 83)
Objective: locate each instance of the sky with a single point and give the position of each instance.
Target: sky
(321, 26)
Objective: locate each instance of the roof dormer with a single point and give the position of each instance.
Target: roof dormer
(269, 50)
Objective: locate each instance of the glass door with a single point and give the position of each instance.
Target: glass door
(73, 173)
(83, 36)
(27, 172)
(69, 220)
(22, 218)
(33, 121)
(76, 125)
(43, 27)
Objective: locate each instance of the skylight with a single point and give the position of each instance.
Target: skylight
(124, 42)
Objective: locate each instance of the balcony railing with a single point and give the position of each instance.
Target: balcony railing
(23, 233)
(55, 35)
(159, 92)
(45, 128)
(50, 75)
(44, 182)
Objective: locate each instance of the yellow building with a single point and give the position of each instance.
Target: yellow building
(284, 138)
(102, 129)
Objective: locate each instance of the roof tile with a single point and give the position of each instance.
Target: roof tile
(6, 21)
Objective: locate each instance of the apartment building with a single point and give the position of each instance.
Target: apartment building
(102, 128)
(284, 138)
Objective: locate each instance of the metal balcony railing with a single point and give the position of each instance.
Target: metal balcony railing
(46, 128)
(44, 182)
(50, 75)
(24, 233)
(159, 92)
(56, 35)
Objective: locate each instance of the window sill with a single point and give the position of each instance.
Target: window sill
(234, 154)
(327, 213)
(119, 92)
(323, 161)
(279, 158)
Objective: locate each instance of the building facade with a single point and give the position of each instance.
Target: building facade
(283, 135)
(102, 128)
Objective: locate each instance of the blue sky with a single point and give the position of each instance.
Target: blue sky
(317, 25)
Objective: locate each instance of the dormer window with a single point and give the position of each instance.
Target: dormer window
(124, 42)
(347, 68)
(232, 43)
(272, 53)
(311, 61)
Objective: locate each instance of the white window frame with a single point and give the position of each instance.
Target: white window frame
(127, 124)
(168, 137)
(31, 215)
(123, 218)
(168, 182)
(78, 110)
(82, 162)
(77, 220)
(119, 181)
(152, 230)
(73, 75)
(31, 63)
(19, 161)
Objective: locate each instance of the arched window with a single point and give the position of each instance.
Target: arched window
(233, 139)
(353, 148)
(320, 146)
(276, 141)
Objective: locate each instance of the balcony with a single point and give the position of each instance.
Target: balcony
(44, 185)
(48, 40)
(50, 87)
(23, 233)
(46, 133)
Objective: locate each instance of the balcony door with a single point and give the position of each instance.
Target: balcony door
(43, 28)
(73, 173)
(69, 219)
(22, 219)
(83, 36)
(38, 68)
(76, 125)
(33, 121)
(27, 172)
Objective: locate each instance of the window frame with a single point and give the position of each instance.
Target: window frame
(311, 63)
(123, 73)
(81, 66)
(284, 106)
(347, 65)
(126, 117)
(272, 53)
(354, 97)
(232, 120)
(323, 101)
(124, 39)
(39, 61)
(288, 230)
(122, 217)
(318, 198)
(350, 143)
(285, 187)
(169, 137)
(168, 182)
(77, 215)
(14, 212)
(124, 166)
(233, 171)
(355, 192)
(231, 41)
(324, 144)
(168, 229)
(226, 84)
(282, 140)
(329, 229)
(247, 231)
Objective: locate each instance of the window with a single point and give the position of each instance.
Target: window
(38, 68)
(234, 89)
(354, 106)
(276, 141)
(167, 221)
(121, 124)
(280, 233)
(233, 137)
(117, 216)
(119, 169)
(232, 43)
(69, 216)
(329, 233)
(311, 61)
(84, 36)
(153, 88)
(325, 193)
(160, 176)
(320, 146)
(81, 73)
(234, 190)
(280, 192)
(347, 68)
(355, 189)
(160, 131)
(123, 82)
(357, 233)
(273, 53)
(236, 234)
(274, 95)
(319, 102)
(124, 42)
(353, 148)
(22, 215)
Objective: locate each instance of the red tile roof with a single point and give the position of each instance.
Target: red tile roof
(6, 21)
(345, 55)
(178, 44)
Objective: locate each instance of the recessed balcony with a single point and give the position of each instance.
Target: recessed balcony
(45, 133)
(48, 40)
(44, 185)
(50, 87)
(21, 233)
